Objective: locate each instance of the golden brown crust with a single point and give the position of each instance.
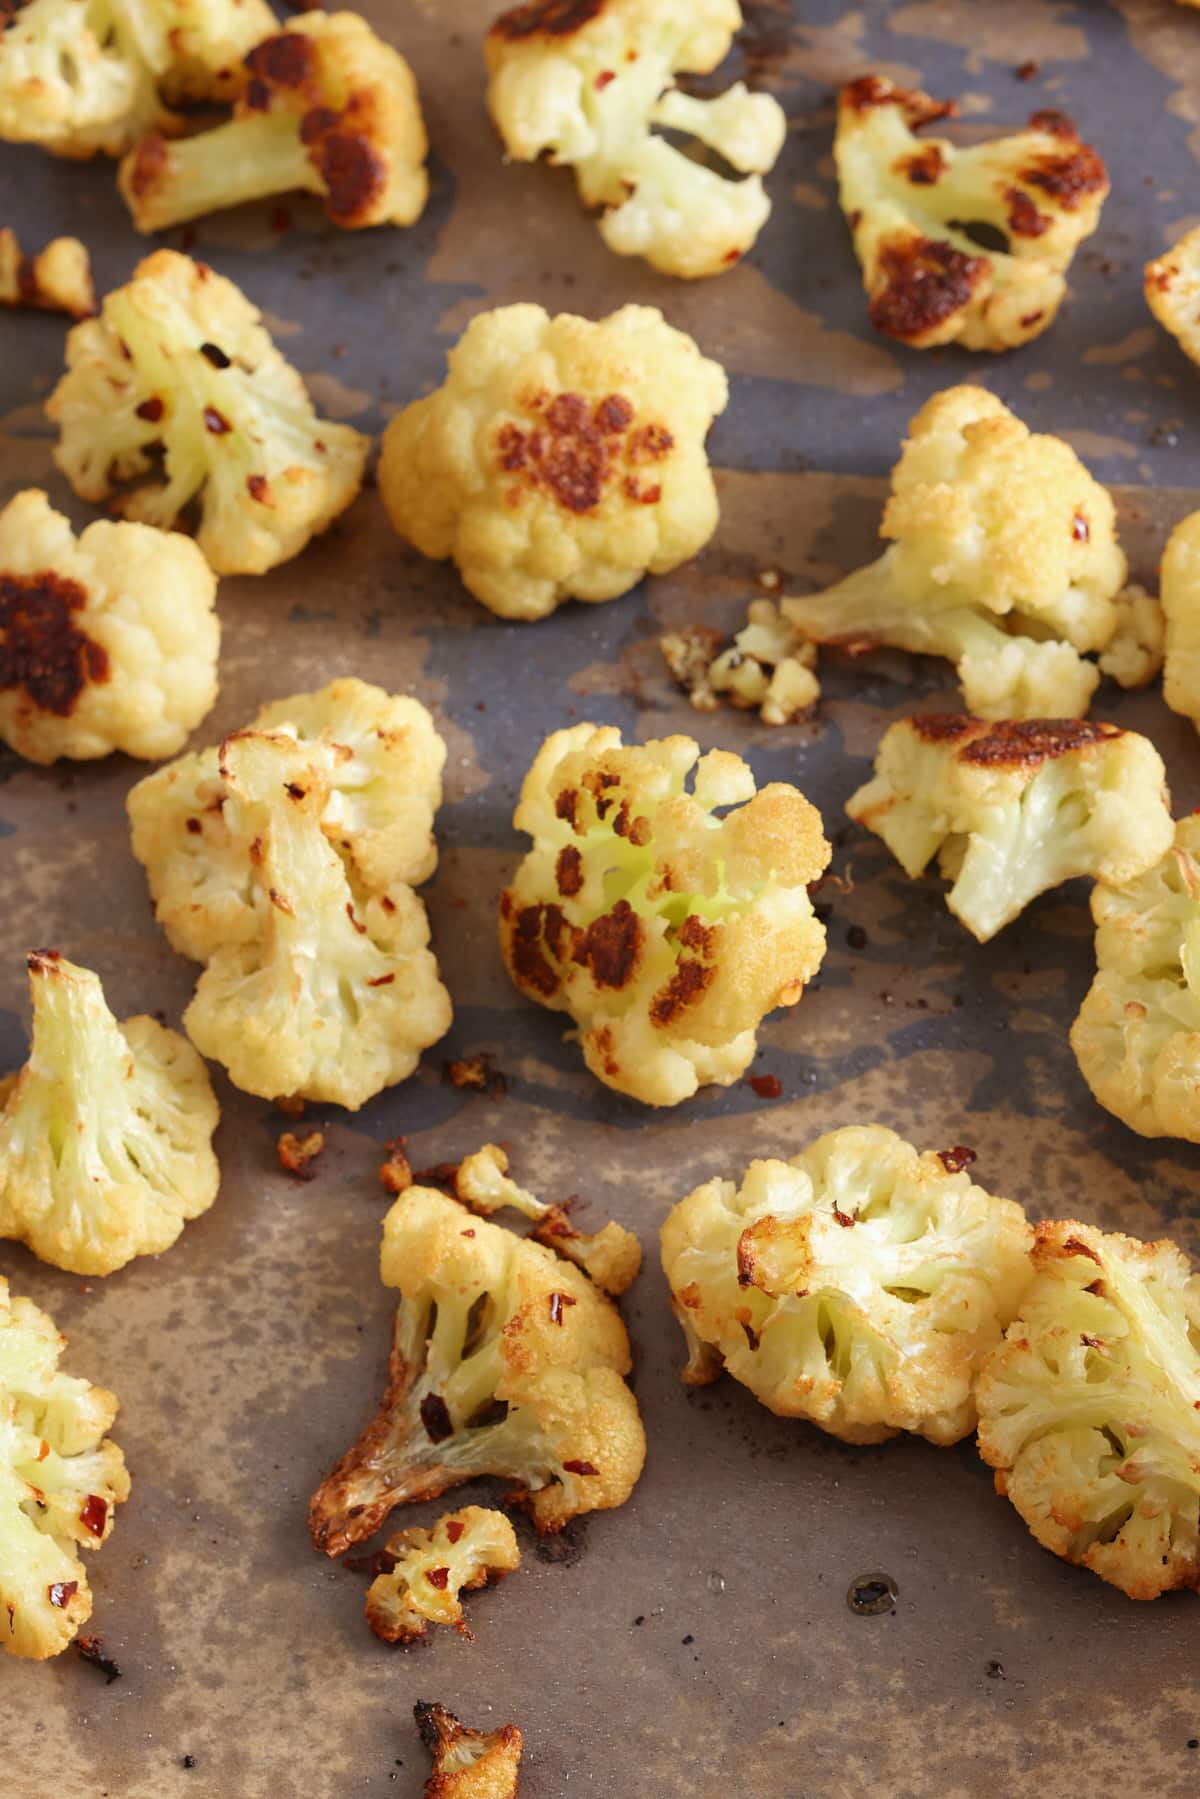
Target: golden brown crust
(925, 283)
(42, 650)
(574, 452)
(546, 18)
(1023, 743)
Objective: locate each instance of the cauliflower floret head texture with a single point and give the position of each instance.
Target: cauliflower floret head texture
(911, 201)
(665, 929)
(468, 1764)
(1011, 810)
(463, 1551)
(60, 1479)
(1090, 1410)
(1180, 587)
(588, 80)
(858, 1285)
(1172, 288)
(1003, 558)
(489, 1323)
(560, 459)
(108, 641)
(284, 860)
(325, 106)
(179, 363)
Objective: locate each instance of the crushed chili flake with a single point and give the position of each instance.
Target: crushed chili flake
(956, 1159)
(93, 1514)
(767, 1086)
(62, 1592)
(91, 1649)
(216, 355)
(557, 1302)
(455, 1529)
(439, 1578)
(216, 422)
(580, 1468)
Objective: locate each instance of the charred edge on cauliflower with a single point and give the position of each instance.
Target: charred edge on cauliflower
(457, 1751)
(42, 649)
(925, 283)
(576, 452)
(1025, 743)
(546, 18)
(918, 108)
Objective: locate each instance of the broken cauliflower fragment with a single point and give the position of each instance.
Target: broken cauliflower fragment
(57, 279)
(560, 459)
(1172, 288)
(588, 82)
(1011, 810)
(468, 1764)
(464, 1551)
(613, 1256)
(108, 641)
(768, 665)
(61, 1479)
(1004, 558)
(667, 930)
(1134, 656)
(859, 1284)
(915, 205)
(325, 107)
(178, 363)
(1088, 1411)
(488, 1320)
(1180, 581)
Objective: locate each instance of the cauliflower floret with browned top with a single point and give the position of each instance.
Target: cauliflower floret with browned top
(108, 641)
(57, 279)
(664, 906)
(910, 200)
(462, 1552)
(325, 107)
(179, 363)
(468, 1764)
(1172, 288)
(586, 81)
(61, 1478)
(1090, 1410)
(1011, 810)
(612, 1256)
(858, 1285)
(560, 459)
(1180, 584)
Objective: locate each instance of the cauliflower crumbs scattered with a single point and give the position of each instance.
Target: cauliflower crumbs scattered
(468, 1764)
(462, 1552)
(768, 665)
(57, 279)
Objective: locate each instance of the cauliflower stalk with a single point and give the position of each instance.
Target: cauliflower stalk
(1090, 1410)
(60, 1480)
(1180, 582)
(57, 279)
(665, 928)
(108, 641)
(1172, 288)
(612, 1256)
(560, 459)
(463, 1551)
(178, 362)
(858, 1285)
(468, 1764)
(1012, 810)
(769, 666)
(325, 107)
(505, 1361)
(588, 81)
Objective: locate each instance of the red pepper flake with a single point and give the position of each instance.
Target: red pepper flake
(455, 1529)
(557, 1302)
(259, 489)
(151, 410)
(466, 1233)
(439, 1578)
(732, 256)
(1093, 1342)
(382, 980)
(580, 1468)
(43, 1451)
(194, 826)
(1080, 529)
(845, 1219)
(214, 422)
(1027, 70)
(604, 77)
(767, 1086)
(752, 1336)
(956, 1159)
(360, 928)
(62, 1593)
(93, 1514)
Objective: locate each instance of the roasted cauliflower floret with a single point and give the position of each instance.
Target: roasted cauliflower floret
(909, 201)
(665, 930)
(488, 1320)
(1011, 810)
(468, 1764)
(60, 1479)
(769, 665)
(86, 76)
(1180, 584)
(325, 106)
(858, 1285)
(108, 641)
(587, 80)
(1134, 656)
(464, 1551)
(612, 1256)
(105, 1134)
(179, 363)
(1172, 288)
(1090, 1410)
(1004, 558)
(560, 459)
(57, 279)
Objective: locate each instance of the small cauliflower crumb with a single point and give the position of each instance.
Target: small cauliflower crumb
(468, 1764)
(612, 1256)
(463, 1551)
(768, 665)
(57, 279)
(298, 1155)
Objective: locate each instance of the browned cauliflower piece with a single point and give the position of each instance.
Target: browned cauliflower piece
(468, 1764)
(768, 666)
(463, 1551)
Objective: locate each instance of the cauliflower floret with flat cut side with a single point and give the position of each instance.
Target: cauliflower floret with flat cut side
(463, 1551)
(88, 77)
(1172, 288)
(914, 206)
(1089, 1412)
(108, 641)
(468, 1764)
(105, 1134)
(768, 666)
(178, 362)
(1004, 559)
(325, 107)
(61, 1478)
(612, 1256)
(1180, 588)
(666, 930)
(560, 459)
(587, 81)
(858, 1285)
(1012, 810)
(488, 1320)
(57, 279)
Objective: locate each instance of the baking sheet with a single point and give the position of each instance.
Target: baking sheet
(698, 1642)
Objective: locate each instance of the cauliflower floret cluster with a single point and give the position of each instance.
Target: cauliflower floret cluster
(665, 928)
(1090, 1410)
(768, 666)
(81, 77)
(325, 107)
(488, 1318)
(106, 1133)
(468, 1764)
(463, 1551)
(560, 459)
(588, 80)
(1180, 585)
(57, 279)
(612, 1256)
(178, 362)
(859, 1284)
(1011, 810)
(60, 1480)
(1004, 558)
(108, 641)
(285, 860)
(1172, 288)
(910, 200)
